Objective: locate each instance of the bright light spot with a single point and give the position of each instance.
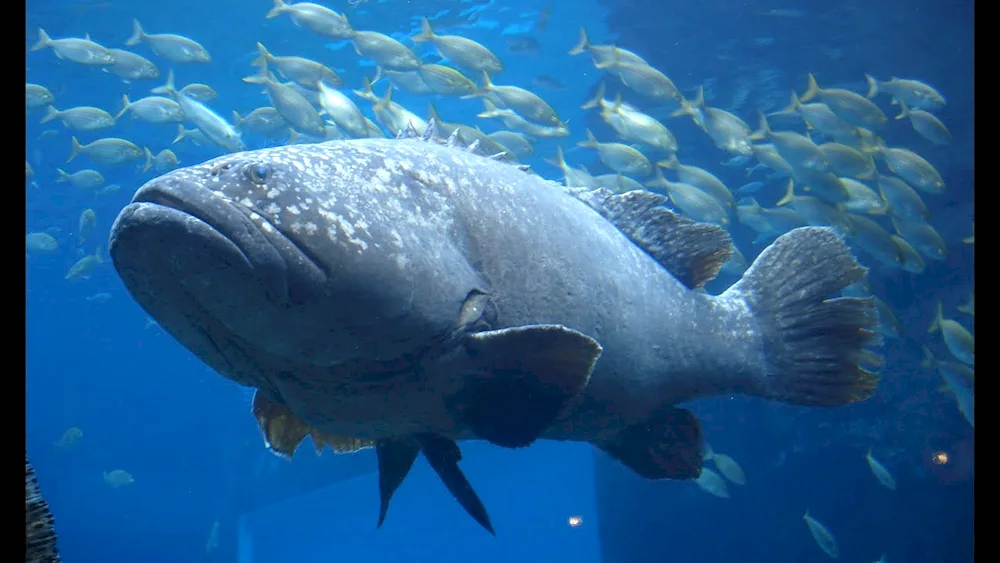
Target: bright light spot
(575, 521)
(940, 458)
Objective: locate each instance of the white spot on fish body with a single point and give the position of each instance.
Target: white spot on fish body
(395, 238)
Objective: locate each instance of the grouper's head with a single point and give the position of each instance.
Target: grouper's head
(286, 253)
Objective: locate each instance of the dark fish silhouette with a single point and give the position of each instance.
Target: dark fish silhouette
(39, 526)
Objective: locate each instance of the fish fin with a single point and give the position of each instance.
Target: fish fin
(789, 194)
(582, 45)
(126, 104)
(443, 456)
(43, 41)
(137, 34)
(167, 88)
(763, 131)
(595, 102)
(904, 111)
(181, 134)
(519, 379)
(791, 109)
(283, 430)
(50, 114)
(76, 148)
(149, 159)
(426, 32)
(814, 343)
(40, 531)
(938, 317)
(666, 446)
(339, 444)
(279, 8)
(591, 141)
(689, 107)
(693, 252)
(812, 90)
(395, 458)
(872, 86)
(263, 55)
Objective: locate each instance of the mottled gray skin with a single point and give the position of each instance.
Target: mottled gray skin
(352, 261)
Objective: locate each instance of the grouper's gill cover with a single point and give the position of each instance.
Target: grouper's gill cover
(402, 295)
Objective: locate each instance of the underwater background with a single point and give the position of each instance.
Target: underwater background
(146, 455)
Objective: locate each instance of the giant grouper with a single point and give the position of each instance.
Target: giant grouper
(405, 294)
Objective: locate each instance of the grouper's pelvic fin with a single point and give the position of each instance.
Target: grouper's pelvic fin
(39, 525)
(396, 457)
(815, 342)
(692, 252)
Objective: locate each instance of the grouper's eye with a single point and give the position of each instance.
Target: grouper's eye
(258, 173)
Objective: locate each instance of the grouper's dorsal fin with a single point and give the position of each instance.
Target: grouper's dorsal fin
(432, 134)
(283, 430)
(693, 252)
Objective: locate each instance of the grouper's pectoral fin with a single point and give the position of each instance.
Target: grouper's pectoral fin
(666, 446)
(517, 380)
(396, 457)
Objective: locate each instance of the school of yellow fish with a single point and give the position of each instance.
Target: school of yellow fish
(837, 173)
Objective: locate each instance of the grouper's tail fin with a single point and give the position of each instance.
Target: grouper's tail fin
(815, 342)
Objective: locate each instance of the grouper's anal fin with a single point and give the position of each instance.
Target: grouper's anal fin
(396, 457)
(693, 252)
(517, 380)
(668, 445)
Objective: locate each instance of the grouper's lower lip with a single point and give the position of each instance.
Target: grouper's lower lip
(179, 213)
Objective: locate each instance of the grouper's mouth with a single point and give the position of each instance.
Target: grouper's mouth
(195, 260)
(220, 227)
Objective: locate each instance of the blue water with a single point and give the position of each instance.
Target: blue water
(147, 406)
